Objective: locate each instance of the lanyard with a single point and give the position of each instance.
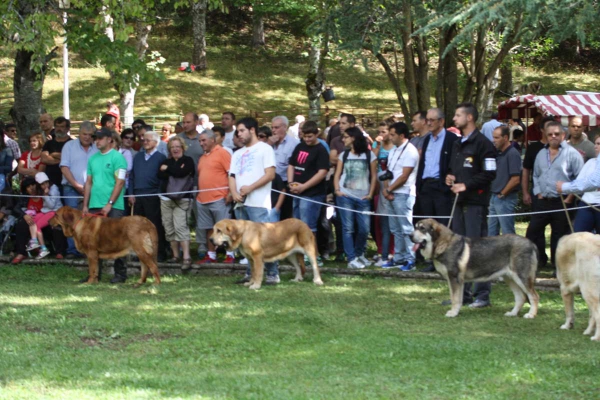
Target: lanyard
(398, 159)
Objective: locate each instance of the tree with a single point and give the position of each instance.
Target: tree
(31, 28)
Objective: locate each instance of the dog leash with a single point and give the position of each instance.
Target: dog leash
(453, 208)
(567, 212)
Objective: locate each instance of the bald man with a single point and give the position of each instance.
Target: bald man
(578, 140)
(47, 125)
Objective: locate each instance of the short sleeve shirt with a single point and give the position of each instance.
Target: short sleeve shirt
(248, 165)
(104, 170)
(508, 164)
(212, 174)
(307, 161)
(53, 171)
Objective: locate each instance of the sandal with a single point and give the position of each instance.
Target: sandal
(18, 259)
(174, 260)
(187, 264)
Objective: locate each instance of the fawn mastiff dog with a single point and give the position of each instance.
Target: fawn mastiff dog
(268, 242)
(460, 259)
(578, 269)
(99, 237)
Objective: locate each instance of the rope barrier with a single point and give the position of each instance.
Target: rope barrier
(370, 213)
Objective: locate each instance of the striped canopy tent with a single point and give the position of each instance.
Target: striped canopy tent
(562, 107)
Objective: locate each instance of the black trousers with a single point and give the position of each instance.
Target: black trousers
(471, 221)
(54, 235)
(557, 221)
(287, 208)
(434, 201)
(149, 207)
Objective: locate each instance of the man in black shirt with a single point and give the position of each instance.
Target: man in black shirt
(51, 152)
(306, 173)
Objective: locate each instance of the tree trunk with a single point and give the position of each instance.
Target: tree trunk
(506, 78)
(315, 80)
(199, 8)
(450, 84)
(27, 89)
(258, 30)
(423, 90)
(410, 77)
(127, 95)
(395, 83)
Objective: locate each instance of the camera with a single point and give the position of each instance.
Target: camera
(386, 176)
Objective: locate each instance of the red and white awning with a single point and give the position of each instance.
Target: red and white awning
(563, 107)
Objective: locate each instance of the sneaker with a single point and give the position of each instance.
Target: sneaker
(356, 264)
(449, 302)
(18, 258)
(32, 245)
(43, 253)
(60, 257)
(244, 261)
(480, 304)
(118, 279)
(319, 261)
(364, 260)
(389, 264)
(429, 268)
(229, 260)
(380, 263)
(408, 266)
(376, 257)
(206, 260)
(245, 279)
(272, 280)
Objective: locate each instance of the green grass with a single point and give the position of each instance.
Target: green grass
(204, 337)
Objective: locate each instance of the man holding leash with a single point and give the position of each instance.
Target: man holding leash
(471, 171)
(105, 187)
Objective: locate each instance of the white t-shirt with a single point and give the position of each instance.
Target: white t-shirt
(248, 164)
(406, 155)
(228, 139)
(354, 181)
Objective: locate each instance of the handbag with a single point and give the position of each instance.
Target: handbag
(177, 185)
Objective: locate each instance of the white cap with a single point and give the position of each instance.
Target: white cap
(41, 177)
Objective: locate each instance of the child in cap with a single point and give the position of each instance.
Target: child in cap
(51, 203)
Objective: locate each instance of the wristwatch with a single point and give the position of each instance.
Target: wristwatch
(111, 202)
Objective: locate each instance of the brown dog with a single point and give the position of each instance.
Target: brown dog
(108, 238)
(260, 243)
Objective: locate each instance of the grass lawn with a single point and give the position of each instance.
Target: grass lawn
(204, 337)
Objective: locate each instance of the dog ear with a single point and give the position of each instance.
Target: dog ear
(232, 231)
(68, 216)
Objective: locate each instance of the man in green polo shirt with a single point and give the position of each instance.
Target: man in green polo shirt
(105, 186)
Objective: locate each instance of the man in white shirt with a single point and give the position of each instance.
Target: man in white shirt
(250, 175)
(400, 191)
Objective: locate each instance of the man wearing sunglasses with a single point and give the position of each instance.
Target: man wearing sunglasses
(557, 161)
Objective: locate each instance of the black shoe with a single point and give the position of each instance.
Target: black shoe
(245, 279)
(428, 268)
(118, 279)
(449, 302)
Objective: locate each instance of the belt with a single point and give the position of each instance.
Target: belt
(431, 180)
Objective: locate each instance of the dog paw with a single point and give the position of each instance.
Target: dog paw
(297, 279)
(248, 283)
(587, 332)
(511, 314)
(566, 326)
(529, 316)
(451, 314)
(318, 282)
(595, 338)
(254, 287)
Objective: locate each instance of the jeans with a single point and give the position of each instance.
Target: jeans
(70, 201)
(274, 215)
(354, 245)
(308, 211)
(587, 219)
(256, 214)
(401, 227)
(505, 205)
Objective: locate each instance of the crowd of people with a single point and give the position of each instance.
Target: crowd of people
(343, 182)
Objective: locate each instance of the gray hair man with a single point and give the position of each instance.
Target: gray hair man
(284, 146)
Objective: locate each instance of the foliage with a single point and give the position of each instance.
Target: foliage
(203, 337)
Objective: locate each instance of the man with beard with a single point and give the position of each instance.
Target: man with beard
(470, 174)
(250, 175)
